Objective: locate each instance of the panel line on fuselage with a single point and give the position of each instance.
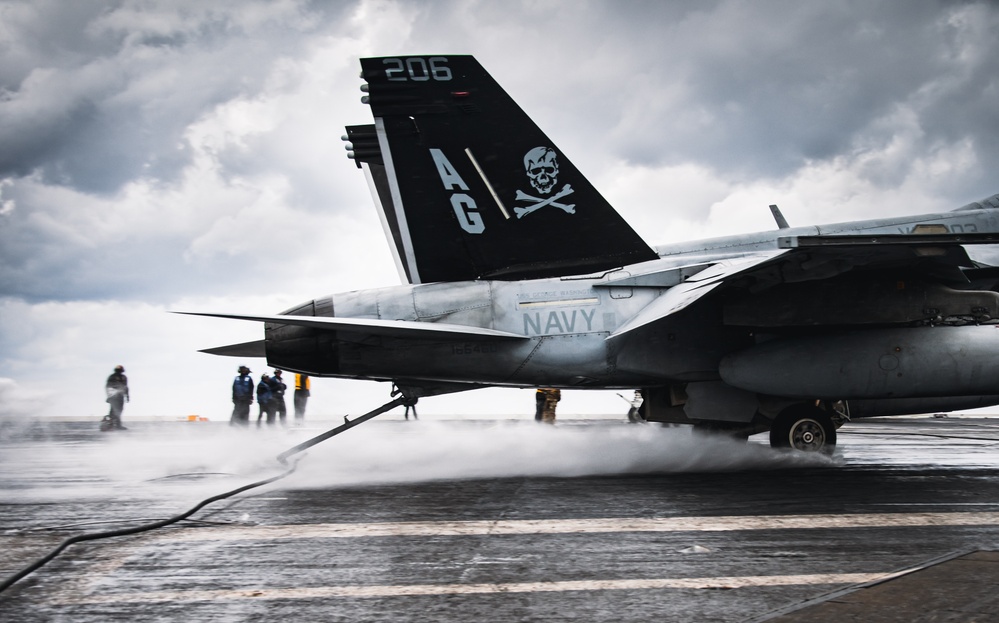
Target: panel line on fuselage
(559, 302)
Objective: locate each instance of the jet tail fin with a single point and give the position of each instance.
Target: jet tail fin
(470, 187)
(362, 141)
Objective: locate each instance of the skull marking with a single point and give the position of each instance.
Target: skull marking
(542, 168)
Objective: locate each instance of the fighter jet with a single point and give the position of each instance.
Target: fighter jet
(520, 274)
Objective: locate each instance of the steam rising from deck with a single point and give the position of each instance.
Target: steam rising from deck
(188, 461)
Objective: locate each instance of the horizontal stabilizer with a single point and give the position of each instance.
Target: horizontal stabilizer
(246, 349)
(372, 326)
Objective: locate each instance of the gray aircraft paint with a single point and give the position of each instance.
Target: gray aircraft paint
(568, 295)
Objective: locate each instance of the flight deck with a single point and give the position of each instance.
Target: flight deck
(426, 520)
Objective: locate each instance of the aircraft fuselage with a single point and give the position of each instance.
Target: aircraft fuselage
(521, 274)
(564, 322)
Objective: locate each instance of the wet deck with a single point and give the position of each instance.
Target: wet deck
(501, 521)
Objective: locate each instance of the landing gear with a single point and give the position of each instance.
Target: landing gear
(804, 427)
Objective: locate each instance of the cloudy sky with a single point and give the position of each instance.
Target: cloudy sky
(184, 155)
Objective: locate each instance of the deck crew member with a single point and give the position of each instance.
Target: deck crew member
(552, 397)
(278, 387)
(264, 400)
(302, 387)
(117, 395)
(242, 397)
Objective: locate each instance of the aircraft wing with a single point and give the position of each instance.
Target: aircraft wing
(883, 240)
(938, 257)
(694, 288)
(373, 326)
(813, 258)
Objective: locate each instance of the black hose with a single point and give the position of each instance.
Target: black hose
(10, 581)
(347, 425)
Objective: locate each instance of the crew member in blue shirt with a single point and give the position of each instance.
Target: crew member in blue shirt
(242, 397)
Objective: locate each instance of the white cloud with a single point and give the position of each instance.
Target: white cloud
(165, 155)
(18, 403)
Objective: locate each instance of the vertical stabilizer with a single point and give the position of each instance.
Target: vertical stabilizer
(365, 151)
(470, 187)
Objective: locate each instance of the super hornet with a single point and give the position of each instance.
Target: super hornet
(520, 274)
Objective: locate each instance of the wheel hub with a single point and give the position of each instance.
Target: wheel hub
(807, 435)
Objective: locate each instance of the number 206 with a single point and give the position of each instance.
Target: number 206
(417, 69)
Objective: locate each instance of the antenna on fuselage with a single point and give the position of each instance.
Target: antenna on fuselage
(781, 221)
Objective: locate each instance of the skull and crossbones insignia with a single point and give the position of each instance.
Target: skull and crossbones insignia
(541, 167)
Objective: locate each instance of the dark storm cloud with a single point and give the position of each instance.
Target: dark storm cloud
(53, 31)
(103, 108)
(761, 88)
(99, 98)
(747, 89)
(97, 94)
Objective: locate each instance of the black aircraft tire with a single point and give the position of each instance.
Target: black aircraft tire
(807, 429)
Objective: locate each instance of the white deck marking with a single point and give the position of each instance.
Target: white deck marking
(586, 526)
(529, 526)
(325, 592)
